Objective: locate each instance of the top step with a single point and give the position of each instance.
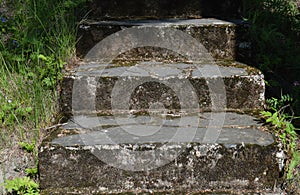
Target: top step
(158, 9)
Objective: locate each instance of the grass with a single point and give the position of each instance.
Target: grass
(37, 38)
(29, 107)
(35, 45)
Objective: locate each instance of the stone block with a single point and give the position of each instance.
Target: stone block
(179, 87)
(221, 151)
(222, 39)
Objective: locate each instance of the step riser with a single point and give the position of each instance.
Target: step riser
(222, 40)
(241, 93)
(118, 9)
(199, 167)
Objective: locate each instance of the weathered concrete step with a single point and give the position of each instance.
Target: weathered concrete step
(118, 9)
(89, 191)
(170, 88)
(217, 152)
(223, 39)
(115, 129)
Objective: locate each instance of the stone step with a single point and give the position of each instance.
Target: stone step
(222, 39)
(132, 9)
(169, 88)
(204, 152)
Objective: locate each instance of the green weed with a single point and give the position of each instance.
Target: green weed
(280, 118)
(22, 186)
(32, 172)
(28, 147)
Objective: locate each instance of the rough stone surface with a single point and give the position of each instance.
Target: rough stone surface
(100, 88)
(118, 9)
(88, 191)
(240, 167)
(236, 128)
(223, 39)
(243, 157)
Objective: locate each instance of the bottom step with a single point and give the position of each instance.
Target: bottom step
(219, 152)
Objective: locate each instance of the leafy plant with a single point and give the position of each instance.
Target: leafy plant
(29, 147)
(276, 104)
(22, 186)
(32, 172)
(284, 128)
(49, 69)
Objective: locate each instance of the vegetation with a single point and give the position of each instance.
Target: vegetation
(281, 119)
(29, 147)
(37, 38)
(35, 44)
(22, 186)
(275, 39)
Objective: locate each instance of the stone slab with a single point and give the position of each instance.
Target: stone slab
(234, 129)
(118, 9)
(229, 123)
(222, 39)
(105, 88)
(76, 159)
